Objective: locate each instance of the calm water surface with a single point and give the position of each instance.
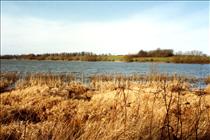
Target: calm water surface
(89, 68)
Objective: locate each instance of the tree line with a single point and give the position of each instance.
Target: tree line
(83, 56)
(156, 53)
(168, 55)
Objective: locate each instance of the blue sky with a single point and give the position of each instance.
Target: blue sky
(104, 27)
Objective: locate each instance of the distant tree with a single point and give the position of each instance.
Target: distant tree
(142, 53)
(156, 53)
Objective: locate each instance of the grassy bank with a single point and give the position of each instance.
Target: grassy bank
(109, 107)
(172, 59)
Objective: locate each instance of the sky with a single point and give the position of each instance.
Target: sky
(116, 27)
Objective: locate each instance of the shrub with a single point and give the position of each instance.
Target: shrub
(128, 58)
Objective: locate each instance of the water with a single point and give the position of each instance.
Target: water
(89, 68)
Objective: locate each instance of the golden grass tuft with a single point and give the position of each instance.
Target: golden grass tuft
(207, 89)
(7, 79)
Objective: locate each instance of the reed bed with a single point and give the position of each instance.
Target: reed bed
(150, 77)
(50, 79)
(7, 79)
(119, 107)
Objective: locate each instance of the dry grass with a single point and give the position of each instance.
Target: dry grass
(7, 79)
(119, 109)
(50, 79)
(207, 89)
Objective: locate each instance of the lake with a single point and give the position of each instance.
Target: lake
(89, 68)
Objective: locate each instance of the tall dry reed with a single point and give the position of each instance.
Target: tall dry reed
(111, 107)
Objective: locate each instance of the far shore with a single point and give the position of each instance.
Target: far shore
(158, 55)
(120, 59)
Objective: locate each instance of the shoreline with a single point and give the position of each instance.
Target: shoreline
(117, 61)
(9, 80)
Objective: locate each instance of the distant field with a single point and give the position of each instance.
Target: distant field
(115, 58)
(139, 59)
(152, 59)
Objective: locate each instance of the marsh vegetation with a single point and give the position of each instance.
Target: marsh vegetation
(52, 106)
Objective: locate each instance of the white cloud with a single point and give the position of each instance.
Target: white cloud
(33, 35)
